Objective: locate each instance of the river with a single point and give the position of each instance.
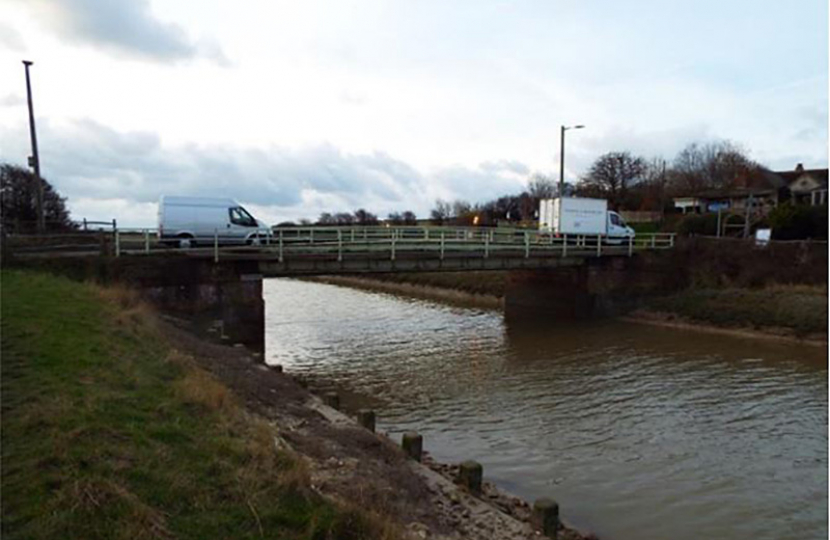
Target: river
(638, 432)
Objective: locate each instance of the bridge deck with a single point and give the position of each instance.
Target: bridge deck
(327, 250)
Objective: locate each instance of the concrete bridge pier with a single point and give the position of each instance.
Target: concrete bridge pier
(595, 288)
(208, 293)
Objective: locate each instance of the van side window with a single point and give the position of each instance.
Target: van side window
(240, 217)
(615, 219)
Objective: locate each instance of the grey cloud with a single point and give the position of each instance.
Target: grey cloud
(88, 160)
(126, 27)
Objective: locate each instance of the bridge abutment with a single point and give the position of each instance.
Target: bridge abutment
(206, 293)
(598, 287)
(199, 290)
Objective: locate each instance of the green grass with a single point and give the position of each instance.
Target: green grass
(800, 308)
(646, 227)
(109, 432)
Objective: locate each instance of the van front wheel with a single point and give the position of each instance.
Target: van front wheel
(186, 241)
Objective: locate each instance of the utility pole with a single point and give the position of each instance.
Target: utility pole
(562, 162)
(34, 159)
(562, 131)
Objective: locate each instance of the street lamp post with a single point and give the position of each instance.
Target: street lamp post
(34, 160)
(562, 157)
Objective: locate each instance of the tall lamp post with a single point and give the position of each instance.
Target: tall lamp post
(562, 157)
(34, 160)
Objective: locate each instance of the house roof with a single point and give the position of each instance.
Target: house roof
(819, 175)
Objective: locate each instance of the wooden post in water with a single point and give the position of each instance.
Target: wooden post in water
(413, 445)
(366, 418)
(545, 517)
(332, 400)
(470, 473)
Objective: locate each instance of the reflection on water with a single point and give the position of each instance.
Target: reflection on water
(639, 432)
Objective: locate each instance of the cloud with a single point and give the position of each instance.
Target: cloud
(124, 27)
(11, 39)
(12, 100)
(108, 174)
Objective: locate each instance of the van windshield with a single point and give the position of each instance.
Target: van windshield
(240, 216)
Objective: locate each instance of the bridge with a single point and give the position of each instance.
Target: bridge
(567, 276)
(298, 251)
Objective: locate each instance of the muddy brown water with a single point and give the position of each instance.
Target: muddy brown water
(638, 432)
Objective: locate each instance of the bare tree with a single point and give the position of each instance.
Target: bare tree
(343, 218)
(362, 217)
(714, 165)
(326, 219)
(409, 218)
(612, 175)
(441, 213)
(540, 186)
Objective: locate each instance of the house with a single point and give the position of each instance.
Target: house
(763, 190)
(807, 186)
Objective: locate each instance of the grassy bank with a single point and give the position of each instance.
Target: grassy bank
(486, 283)
(798, 310)
(110, 432)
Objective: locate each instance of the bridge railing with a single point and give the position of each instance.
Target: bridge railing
(341, 242)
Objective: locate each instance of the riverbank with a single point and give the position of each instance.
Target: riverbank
(480, 289)
(783, 312)
(121, 424)
(776, 311)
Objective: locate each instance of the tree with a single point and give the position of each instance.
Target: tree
(540, 186)
(409, 218)
(611, 176)
(441, 213)
(395, 218)
(362, 217)
(18, 202)
(714, 165)
(343, 218)
(326, 219)
(651, 192)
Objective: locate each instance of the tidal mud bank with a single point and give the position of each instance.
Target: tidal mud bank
(351, 464)
(794, 312)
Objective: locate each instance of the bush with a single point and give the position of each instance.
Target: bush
(694, 224)
(798, 222)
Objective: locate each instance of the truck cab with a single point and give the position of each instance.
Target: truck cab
(617, 227)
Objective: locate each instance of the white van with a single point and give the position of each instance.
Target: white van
(582, 216)
(189, 221)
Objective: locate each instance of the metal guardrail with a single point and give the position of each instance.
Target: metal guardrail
(341, 242)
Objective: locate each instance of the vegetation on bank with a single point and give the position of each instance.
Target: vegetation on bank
(110, 432)
(486, 283)
(799, 308)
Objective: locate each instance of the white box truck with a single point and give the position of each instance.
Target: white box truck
(190, 221)
(581, 216)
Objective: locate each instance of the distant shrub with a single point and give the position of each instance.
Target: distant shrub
(798, 222)
(695, 224)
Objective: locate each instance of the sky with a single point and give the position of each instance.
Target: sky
(298, 108)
